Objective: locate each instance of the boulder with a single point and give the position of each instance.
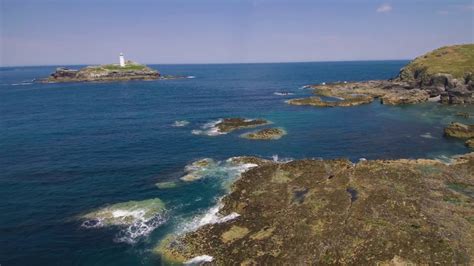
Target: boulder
(459, 130)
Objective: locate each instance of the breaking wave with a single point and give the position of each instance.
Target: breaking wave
(209, 129)
(136, 219)
(180, 123)
(283, 93)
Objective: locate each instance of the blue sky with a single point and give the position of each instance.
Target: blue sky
(48, 32)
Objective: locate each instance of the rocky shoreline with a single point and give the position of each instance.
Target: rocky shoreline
(337, 212)
(437, 76)
(374, 212)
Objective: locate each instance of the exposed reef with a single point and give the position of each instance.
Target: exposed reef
(459, 130)
(230, 124)
(265, 134)
(227, 125)
(317, 101)
(136, 218)
(444, 75)
(337, 212)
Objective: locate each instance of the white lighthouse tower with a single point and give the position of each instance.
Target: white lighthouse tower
(122, 60)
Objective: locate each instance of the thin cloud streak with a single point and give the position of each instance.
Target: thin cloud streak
(385, 8)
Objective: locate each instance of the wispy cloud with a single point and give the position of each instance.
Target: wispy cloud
(385, 8)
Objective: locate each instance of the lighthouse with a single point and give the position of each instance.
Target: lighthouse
(122, 60)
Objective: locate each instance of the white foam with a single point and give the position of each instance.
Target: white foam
(277, 159)
(21, 84)
(427, 135)
(140, 228)
(180, 123)
(283, 93)
(209, 129)
(211, 216)
(199, 259)
(191, 77)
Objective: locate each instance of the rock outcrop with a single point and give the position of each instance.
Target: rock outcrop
(447, 72)
(459, 130)
(444, 75)
(230, 124)
(312, 212)
(104, 73)
(265, 134)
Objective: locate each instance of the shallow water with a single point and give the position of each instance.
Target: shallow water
(69, 149)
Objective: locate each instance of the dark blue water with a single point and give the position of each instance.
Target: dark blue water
(67, 149)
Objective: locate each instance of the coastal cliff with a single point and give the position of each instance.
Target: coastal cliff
(104, 73)
(444, 75)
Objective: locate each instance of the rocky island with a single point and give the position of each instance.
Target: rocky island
(311, 212)
(444, 75)
(124, 71)
(265, 134)
(230, 124)
(104, 73)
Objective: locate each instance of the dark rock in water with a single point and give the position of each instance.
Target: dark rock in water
(231, 124)
(459, 130)
(403, 212)
(463, 114)
(265, 134)
(470, 143)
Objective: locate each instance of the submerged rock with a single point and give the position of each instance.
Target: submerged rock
(135, 218)
(265, 134)
(166, 184)
(228, 169)
(459, 130)
(337, 212)
(126, 213)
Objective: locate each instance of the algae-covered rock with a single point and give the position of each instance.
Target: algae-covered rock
(231, 124)
(317, 212)
(318, 102)
(265, 134)
(459, 130)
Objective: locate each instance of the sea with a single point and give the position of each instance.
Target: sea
(68, 149)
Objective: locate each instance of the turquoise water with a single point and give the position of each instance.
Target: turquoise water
(68, 149)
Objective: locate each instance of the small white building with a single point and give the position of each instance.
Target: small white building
(122, 60)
